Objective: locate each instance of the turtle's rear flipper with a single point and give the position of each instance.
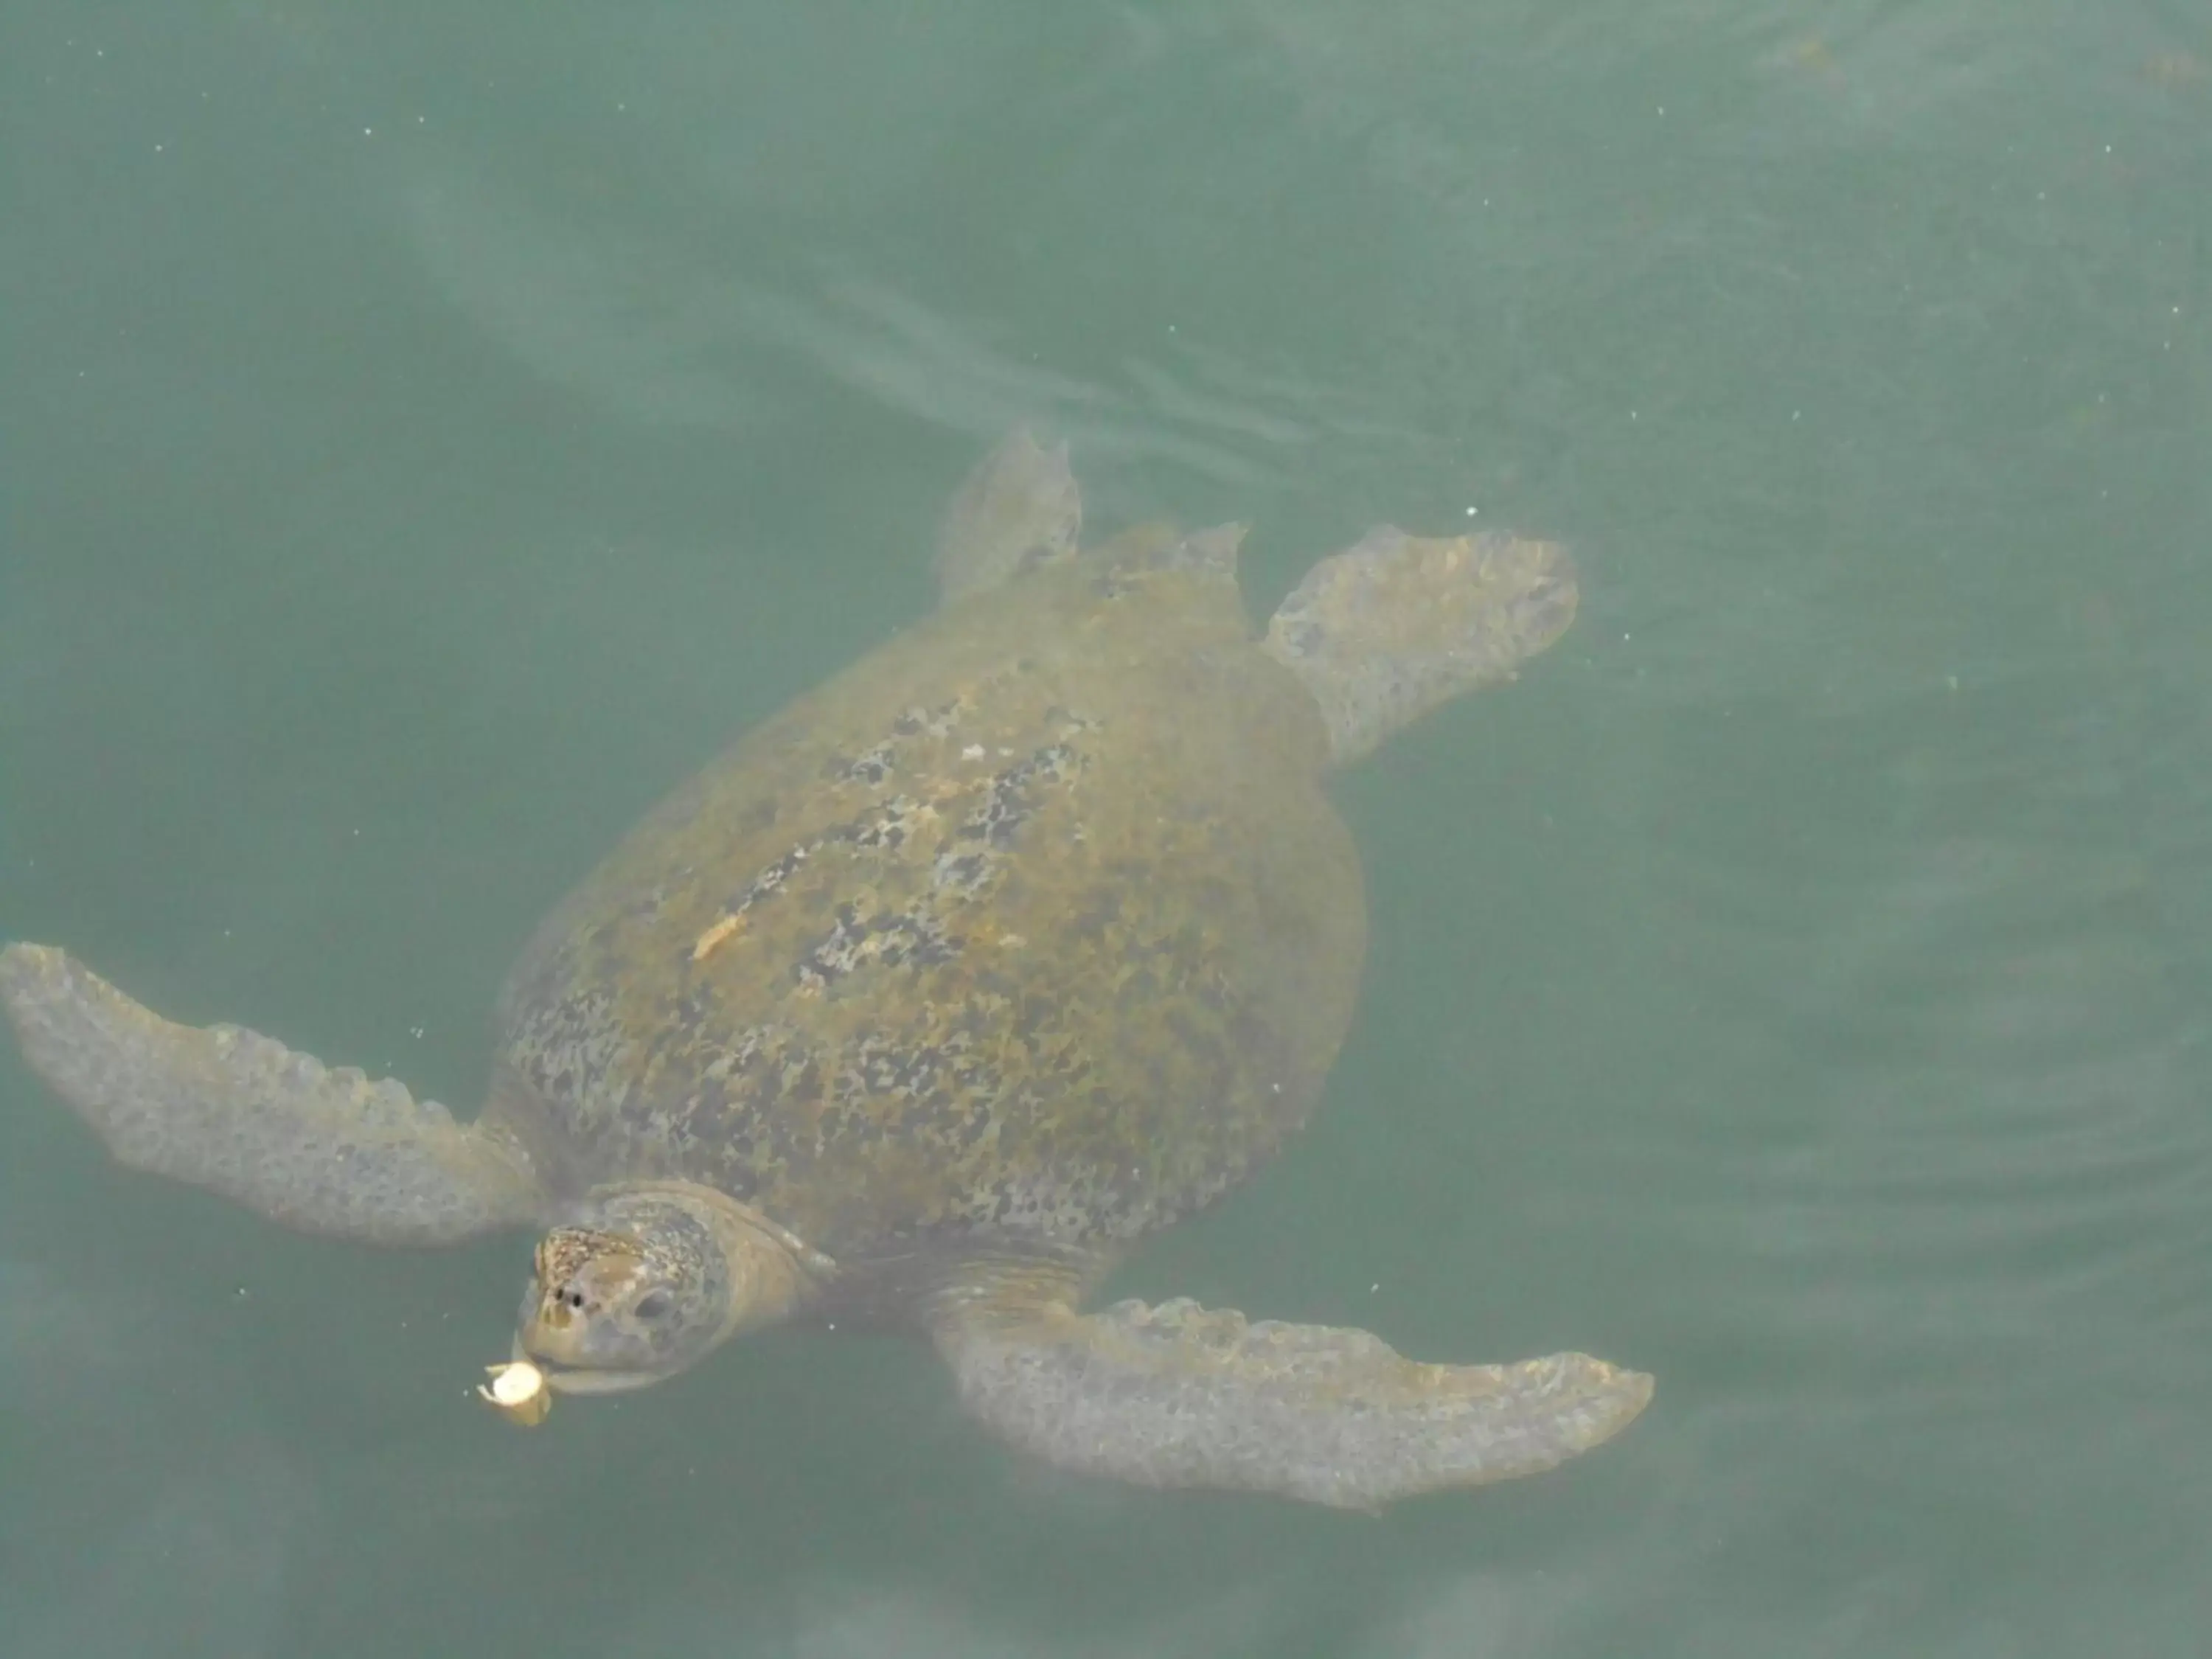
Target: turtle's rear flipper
(1386, 630)
(323, 1151)
(1178, 1395)
(1020, 508)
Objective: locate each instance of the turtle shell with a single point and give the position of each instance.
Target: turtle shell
(1035, 924)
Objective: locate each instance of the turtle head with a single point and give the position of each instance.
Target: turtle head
(647, 1279)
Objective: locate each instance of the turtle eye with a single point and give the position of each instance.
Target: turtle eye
(654, 1305)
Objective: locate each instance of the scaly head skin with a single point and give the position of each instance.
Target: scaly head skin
(651, 1277)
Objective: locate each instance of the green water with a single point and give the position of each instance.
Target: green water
(423, 440)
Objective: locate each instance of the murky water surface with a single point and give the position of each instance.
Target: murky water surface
(424, 437)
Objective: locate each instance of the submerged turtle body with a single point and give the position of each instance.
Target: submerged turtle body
(1027, 935)
(1036, 921)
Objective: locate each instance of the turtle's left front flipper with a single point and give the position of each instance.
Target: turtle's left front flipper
(1178, 1395)
(322, 1150)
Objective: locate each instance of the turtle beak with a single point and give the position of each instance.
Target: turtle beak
(574, 1325)
(558, 1345)
(574, 1379)
(553, 1343)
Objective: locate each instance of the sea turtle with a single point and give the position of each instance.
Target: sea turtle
(1022, 937)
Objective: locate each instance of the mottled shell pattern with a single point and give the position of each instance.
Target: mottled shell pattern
(1033, 925)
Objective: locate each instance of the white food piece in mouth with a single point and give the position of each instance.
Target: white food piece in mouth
(517, 1393)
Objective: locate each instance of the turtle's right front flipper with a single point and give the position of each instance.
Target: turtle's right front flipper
(322, 1150)
(1182, 1396)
